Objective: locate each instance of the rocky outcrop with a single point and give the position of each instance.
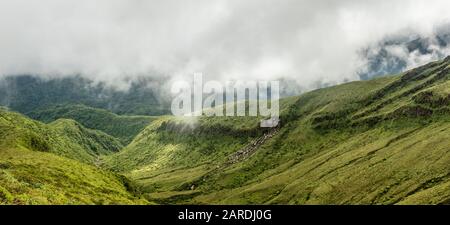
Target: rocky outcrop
(251, 148)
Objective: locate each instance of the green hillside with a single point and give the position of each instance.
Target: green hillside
(63, 137)
(125, 128)
(383, 141)
(35, 167)
(31, 177)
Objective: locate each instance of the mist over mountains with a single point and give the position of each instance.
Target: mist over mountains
(149, 95)
(403, 51)
(122, 56)
(27, 93)
(110, 41)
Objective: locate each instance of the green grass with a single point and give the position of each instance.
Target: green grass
(30, 177)
(386, 165)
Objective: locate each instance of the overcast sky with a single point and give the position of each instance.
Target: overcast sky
(111, 39)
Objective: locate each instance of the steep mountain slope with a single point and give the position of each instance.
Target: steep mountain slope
(383, 141)
(386, 165)
(34, 168)
(125, 128)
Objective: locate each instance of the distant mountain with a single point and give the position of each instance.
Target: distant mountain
(399, 52)
(28, 93)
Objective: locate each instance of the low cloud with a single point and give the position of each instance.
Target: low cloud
(116, 40)
(405, 51)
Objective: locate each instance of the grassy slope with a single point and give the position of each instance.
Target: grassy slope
(63, 137)
(374, 142)
(31, 177)
(35, 170)
(125, 128)
(385, 165)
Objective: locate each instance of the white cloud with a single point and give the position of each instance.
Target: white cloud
(110, 39)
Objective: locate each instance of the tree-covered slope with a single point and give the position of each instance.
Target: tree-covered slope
(125, 128)
(383, 141)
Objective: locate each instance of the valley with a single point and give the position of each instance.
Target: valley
(380, 141)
